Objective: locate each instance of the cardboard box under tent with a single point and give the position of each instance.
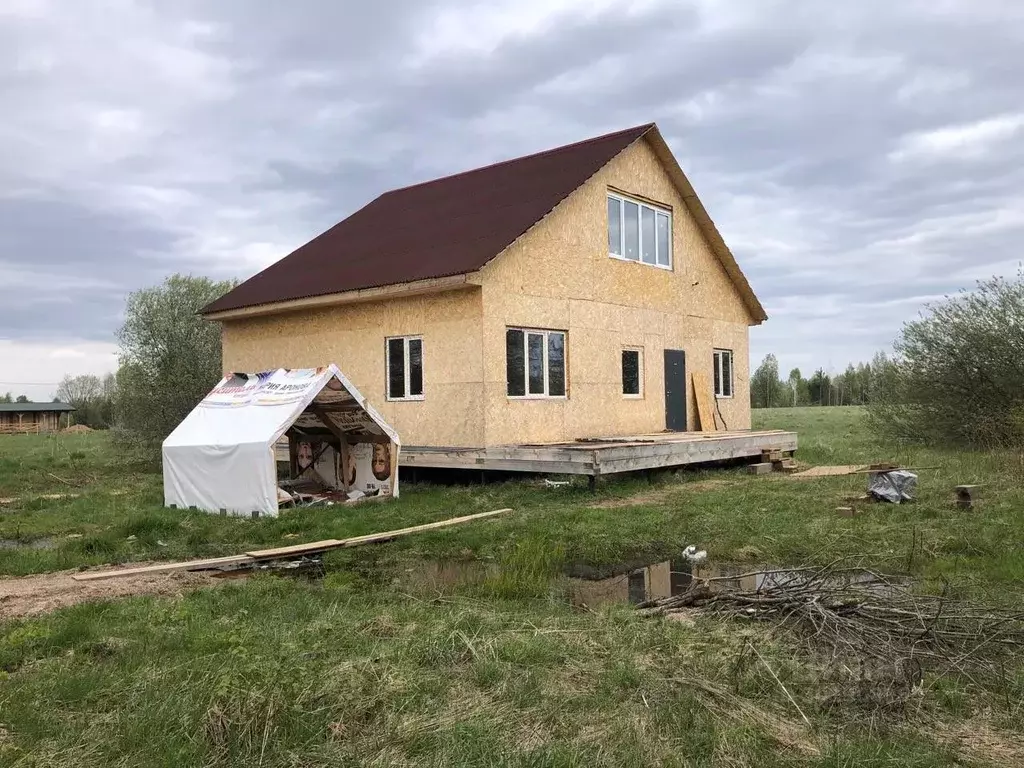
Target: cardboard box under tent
(221, 457)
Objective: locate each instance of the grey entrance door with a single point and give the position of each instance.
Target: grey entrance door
(675, 390)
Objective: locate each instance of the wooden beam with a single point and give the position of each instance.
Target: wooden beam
(608, 458)
(322, 415)
(189, 565)
(314, 547)
(372, 538)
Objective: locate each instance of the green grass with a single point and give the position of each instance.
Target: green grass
(276, 672)
(737, 517)
(360, 669)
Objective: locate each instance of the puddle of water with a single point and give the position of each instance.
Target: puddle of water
(656, 580)
(673, 577)
(46, 542)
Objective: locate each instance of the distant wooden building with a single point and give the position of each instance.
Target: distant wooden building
(18, 418)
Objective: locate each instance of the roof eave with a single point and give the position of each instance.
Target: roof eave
(360, 296)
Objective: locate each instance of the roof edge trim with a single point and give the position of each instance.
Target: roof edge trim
(707, 226)
(395, 290)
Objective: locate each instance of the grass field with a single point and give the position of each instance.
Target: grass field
(361, 669)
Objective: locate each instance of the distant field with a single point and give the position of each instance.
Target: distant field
(357, 669)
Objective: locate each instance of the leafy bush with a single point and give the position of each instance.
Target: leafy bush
(170, 359)
(958, 375)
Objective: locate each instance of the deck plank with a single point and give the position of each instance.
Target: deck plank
(605, 455)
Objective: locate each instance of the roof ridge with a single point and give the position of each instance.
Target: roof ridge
(645, 127)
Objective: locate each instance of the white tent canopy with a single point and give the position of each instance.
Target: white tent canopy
(221, 457)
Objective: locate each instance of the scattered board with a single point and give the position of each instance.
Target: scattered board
(831, 471)
(251, 558)
(705, 408)
(188, 565)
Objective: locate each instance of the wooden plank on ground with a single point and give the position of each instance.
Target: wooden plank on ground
(355, 541)
(282, 552)
(830, 471)
(705, 409)
(188, 565)
(297, 549)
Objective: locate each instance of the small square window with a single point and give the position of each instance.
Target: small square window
(404, 376)
(632, 373)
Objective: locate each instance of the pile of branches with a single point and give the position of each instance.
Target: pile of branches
(864, 622)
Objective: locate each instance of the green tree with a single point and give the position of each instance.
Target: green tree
(6, 398)
(798, 388)
(170, 358)
(819, 388)
(22, 399)
(766, 391)
(957, 374)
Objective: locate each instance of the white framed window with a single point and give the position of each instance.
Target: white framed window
(404, 363)
(632, 372)
(639, 231)
(535, 363)
(723, 372)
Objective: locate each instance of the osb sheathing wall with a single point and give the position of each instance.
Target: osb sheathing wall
(353, 336)
(559, 276)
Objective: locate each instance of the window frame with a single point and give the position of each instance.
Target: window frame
(658, 210)
(545, 333)
(718, 366)
(639, 395)
(408, 369)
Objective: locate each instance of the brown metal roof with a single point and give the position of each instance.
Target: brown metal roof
(449, 226)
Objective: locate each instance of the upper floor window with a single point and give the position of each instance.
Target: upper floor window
(723, 372)
(405, 368)
(535, 363)
(639, 231)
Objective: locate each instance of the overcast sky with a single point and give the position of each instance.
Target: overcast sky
(860, 158)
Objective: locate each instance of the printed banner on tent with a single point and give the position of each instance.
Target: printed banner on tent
(371, 468)
(266, 388)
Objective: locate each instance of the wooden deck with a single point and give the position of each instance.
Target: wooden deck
(605, 456)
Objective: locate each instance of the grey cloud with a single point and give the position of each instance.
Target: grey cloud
(279, 122)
